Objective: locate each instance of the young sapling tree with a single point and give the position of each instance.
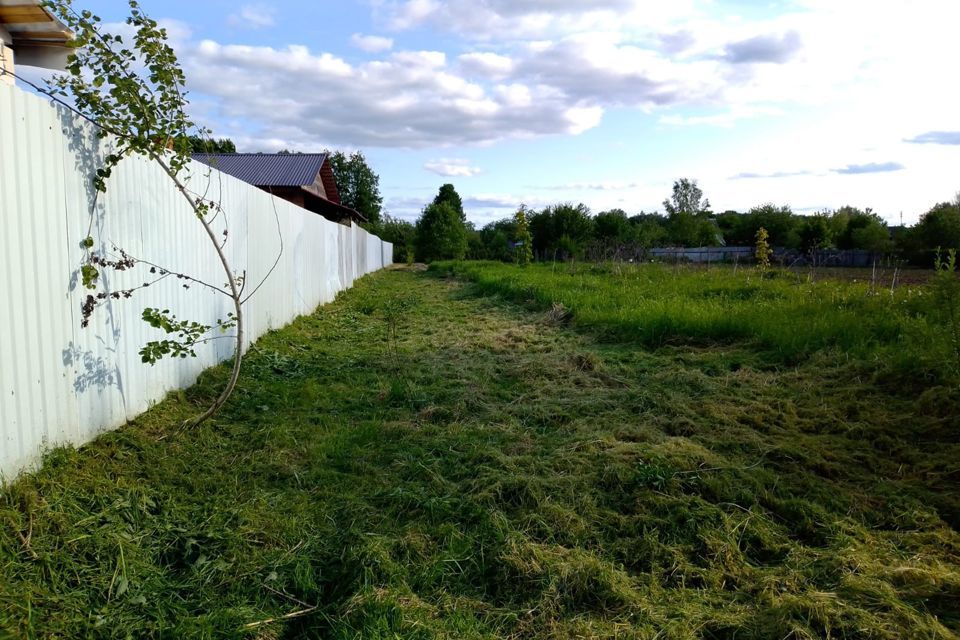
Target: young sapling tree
(133, 91)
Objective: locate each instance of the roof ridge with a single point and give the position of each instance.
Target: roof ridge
(257, 153)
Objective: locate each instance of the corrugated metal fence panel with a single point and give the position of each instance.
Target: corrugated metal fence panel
(34, 407)
(60, 383)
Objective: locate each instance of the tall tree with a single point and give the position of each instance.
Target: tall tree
(688, 216)
(441, 234)
(449, 195)
(687, 197)
(358, 185)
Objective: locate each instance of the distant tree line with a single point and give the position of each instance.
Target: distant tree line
(570, 231)
(567, 231)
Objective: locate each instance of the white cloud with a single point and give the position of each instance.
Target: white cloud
(452, 167)
(408, 99)
(491, 20)
(487, 64)
(412, 12)
(371, 44)
(252, 16)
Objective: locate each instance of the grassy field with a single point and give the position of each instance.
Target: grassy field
(425, 458)
(897, 335)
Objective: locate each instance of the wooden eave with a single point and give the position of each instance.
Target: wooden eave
(331, 208)
(29, 24)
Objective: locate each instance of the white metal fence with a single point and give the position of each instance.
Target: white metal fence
(60, 383)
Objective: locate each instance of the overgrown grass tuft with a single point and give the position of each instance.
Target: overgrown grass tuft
(471, 469)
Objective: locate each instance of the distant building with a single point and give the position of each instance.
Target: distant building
(305, 179)
(30, 35)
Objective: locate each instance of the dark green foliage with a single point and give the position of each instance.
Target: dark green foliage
(939, 227)
(440, 234)
(448, 194)
(514, 479)
(613, 226)
(561, 231)
(780, 222)
(814, 233)
(357, 184)
(855, 229)
(205, 144)
(496, 238)
(400, 232)
(650, 230)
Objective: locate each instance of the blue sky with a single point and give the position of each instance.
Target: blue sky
(811, 103)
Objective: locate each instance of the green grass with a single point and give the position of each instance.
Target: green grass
(494, 472)
(788, 318)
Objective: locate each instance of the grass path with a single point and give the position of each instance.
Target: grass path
(488, 472)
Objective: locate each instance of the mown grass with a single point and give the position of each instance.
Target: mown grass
(490, 472)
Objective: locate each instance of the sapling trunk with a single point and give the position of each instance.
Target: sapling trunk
(234, 295)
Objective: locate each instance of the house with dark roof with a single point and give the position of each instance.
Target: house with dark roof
(305, 179)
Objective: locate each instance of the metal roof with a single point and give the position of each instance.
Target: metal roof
(28, 22)
(267, 169)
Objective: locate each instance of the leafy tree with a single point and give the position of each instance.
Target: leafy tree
(687, 197)
(938, 227)
(523, 249)
(857, 229)
(203, 144)
(496, 238)
(145, 114)
(613, 226)
(449, 195)
(688, 215)
(561, 230)
(874, 237)
(838, 222)
(649, 230)
(814, 233)
(441, 234)
(782, 226)
(358, 185)
(476, 250)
